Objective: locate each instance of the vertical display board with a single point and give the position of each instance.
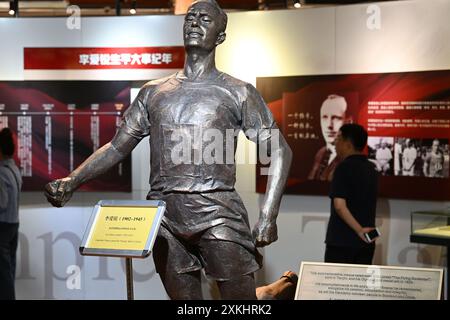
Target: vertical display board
(58, 124)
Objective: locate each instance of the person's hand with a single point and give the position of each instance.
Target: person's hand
(265, 232)
(366, 230)
(58, 192)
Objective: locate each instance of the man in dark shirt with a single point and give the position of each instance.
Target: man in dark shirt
(353, 200)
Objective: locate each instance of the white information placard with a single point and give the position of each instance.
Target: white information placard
(331, 281)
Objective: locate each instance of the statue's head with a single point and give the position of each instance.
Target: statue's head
(204, 25)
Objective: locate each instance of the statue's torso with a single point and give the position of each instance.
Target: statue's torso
(189, 124)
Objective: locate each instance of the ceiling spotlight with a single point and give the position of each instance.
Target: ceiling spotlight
(297, 4)
(133, 7)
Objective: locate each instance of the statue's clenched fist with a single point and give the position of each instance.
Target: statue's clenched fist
(265, 232)
(58, 192)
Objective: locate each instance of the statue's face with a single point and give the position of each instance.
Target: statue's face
(202, 27)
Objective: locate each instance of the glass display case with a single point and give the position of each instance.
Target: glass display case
(433, 224)
(432, 227)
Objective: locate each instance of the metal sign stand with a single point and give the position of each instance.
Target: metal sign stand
(133, 211)
(129, 274)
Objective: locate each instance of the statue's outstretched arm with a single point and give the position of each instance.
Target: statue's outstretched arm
(59, 191)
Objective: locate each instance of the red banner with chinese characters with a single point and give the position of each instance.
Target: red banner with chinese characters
(104, 58)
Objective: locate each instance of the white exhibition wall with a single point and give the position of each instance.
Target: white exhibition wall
(412, 36)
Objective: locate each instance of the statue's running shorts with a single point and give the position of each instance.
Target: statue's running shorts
(207, 231)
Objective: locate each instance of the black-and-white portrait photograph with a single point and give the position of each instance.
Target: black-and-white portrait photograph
(407, 160)
(434, 156)
(381, 154)
(421, 157)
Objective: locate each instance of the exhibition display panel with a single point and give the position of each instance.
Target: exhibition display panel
(64, 93)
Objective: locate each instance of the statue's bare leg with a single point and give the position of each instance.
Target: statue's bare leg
(230, 264)
(184, 286)
(170, 259)
(242, 288)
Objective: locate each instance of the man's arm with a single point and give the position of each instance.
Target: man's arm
(412, 159)
(60, 191)
(4, 196)
(407, 161)
(344, 213)
(425, 167)
(378, 154)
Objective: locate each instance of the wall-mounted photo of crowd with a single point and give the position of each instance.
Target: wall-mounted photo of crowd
(410, 157)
